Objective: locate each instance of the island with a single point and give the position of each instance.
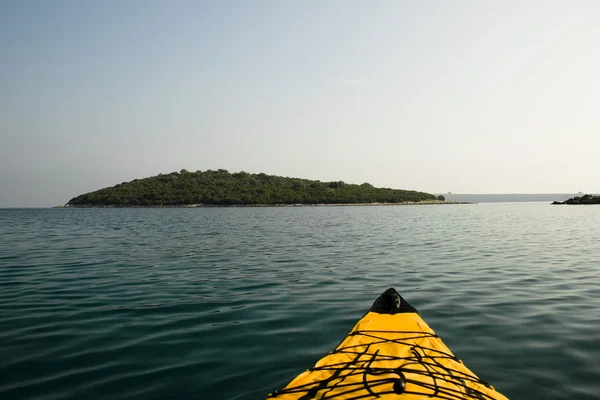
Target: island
(221, 188)
(585, 199)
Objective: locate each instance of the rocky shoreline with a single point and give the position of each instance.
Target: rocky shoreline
(580, 200)
(405, 203)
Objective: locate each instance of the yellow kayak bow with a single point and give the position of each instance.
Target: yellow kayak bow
(391, 353)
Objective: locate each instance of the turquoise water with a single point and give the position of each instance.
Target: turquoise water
(232, 303)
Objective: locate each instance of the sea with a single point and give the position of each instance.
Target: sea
(233, 303)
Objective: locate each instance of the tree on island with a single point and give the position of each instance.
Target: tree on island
(240, 188)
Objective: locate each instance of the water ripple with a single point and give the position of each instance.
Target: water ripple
(233, 303)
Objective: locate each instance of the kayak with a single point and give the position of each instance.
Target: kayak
(391, 353)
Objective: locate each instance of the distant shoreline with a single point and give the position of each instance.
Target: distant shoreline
(405, 203)
(587, 199)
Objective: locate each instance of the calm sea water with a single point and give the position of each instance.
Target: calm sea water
(232, 303)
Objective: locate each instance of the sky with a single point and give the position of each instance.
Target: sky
(437, 96)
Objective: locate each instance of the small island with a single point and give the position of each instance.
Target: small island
(222, 188)
(585, 199)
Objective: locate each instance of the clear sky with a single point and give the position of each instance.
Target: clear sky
(462, 96)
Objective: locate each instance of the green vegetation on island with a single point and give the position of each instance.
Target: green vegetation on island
(221, 188)
(585, 199)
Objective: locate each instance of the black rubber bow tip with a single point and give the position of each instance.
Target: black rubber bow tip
(390, 302)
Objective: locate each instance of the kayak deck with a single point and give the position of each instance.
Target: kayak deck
(390, 353)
